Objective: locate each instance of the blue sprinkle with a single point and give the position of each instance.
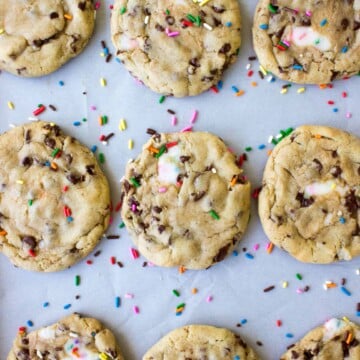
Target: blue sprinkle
(67, 306)
(235, 89)
(358, 313)
(228, 24)
(243, 321)
(61, 83)
(118, 60)
(93, 149)
(70, 219)
(323, 22)
(262, 146)
(178, 313)
(345, 291)
(342, 220)
(264, 26)
(76, 123)
(236, 357)
(235, 253)
(29, 323)
(335, 110)
(249, 256)
(289, 335)
(117, 302)
(106, 51)
(344, 49)
(220, 85)
(47, 163)
(297, 67)
(45, 304)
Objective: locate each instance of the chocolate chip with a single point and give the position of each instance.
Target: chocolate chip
(221, 254)
(352, 203)
(75, 179)
(334, 154)
(336, 171)
(356, 25)
(151, 131)
(305, 21)
(345, 349)
(216, 21)
(218, 9)
(126, 186)
(334, 75)
(54, 15)
(158, 27)
(38, 42)
(194, 62)
(304, 202)
(50, 142)
(30, 241)
(90, 169)
(23, 354)
(225, 48)
(157, 209)
(82, 5)
(170, 19)
(318, 165)
(344, 24)
(68, 158)
(161, 228)
(184, 158)
(199, 195)
(294, 354)
(27, 161)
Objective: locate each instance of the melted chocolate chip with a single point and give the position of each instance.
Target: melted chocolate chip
(82, 5)
(23, 354)
(199, 195)
(336, 171)
(90, 169)
(352, 203)
(304, 202)
(170, 19)
(356, 25)
(75, 179)
(221, 254)
(184, 158)
(318, 165)
(306, 21)
(294, 354)
(54, 15)
(161, 228)
(50, 142)
(334, 154)
(218, 9)
(27, 161)
(225, 48)
(30, 241)
(344, 23)
(68, 158)
(126, 186)
(158, 27)
(194, 62)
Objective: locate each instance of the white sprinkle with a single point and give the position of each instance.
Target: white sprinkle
(248, 66)
(271, 138)
(146, 19)
(73, 334)
(213, 170)
(207, 26)
(357, 271)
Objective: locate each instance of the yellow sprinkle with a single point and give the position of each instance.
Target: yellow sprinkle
(122, 125)
(10, 105)
(103, 82)
(194, 290)
(284, 91)
(204, 2)
(263, 70)
(102, 54)
(130, 144)
(285, 284)
(346, 319)
(301, 90)
(2, 31)
(68, 16)
(103, 356)
(20, 181)
(333, 186)
(254, 83)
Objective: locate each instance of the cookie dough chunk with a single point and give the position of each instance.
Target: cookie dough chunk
(335, 340)
(39, 36)
(310, 199)
(54, 198)
(307, 41)
(176, 48)
(185, 202)
(74, 337)
(200, 342)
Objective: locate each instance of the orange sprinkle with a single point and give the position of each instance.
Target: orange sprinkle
(68, 16)
(269, 152)
(233, 180)
(323, 86)
(270, 248)
(100, 120)
(240, 93)
(317, 136)
(254, 83)
(152, 149)
(182, 269)
(194, 290)
(3, 233)
(54, 166)
(349, 338)
(331, 285)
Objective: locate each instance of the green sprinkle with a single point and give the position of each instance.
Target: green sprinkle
(176, 293)
(249, 148)
(317, 41)
(134, 182)
(214, 215)
(40, 105)
(180, 306)
(77, 280)
(298, 276)
(30, 202)
(101, 158)
(104, 120)
(122, 225)
(288, 131)
(198, 21)
(55, 152)
(191, 18)
(161, 151)
(162, 99)
(167, 12)
(273, 8)
(274, 141)
(84, 119)
(123, 10)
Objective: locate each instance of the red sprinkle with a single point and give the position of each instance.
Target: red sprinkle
(39, 110)
(32, 253)
(214, 89)
(118, 206)
(89, 262)
(278, 323)
(171, 144)
(134, 253)
(344, 94)
(187, 23)
(113, 260)
(250, 73)
(102, 137)
(330, 102)
(65, 188)
(255, 193)
(22, 329)
(67, 211)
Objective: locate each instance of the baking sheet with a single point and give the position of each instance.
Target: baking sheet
(236, 284)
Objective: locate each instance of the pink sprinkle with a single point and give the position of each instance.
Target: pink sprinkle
(268, 245)
(151, 264)
(308, 13)
(134, 253)
(173, 120)
(173, 34)
(129, 296)
(348, 115)
(163, 189)
(193, 117)
(286, 43)
(300, 291)
(136, 309)
(256, 247)
(187, 128)
(133, 208)
(302, 36)
(97, 5)
(344, 94)
(93, 107)
(209, 299)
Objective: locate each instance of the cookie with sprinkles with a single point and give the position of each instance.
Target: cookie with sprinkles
(54, 198)
(37, 37)
(178, 48)
(201, 342)
(336, 339)
(308, 42)
(310, 198)
(185, 200)
(73, 337)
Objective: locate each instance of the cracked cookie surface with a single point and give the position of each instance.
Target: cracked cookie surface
(73, 337)
(200, 342)
(310, 198)
(313, 42)
(336, 339)
(176, 48)
(37, 37)
(185, 201)
(54, 198)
